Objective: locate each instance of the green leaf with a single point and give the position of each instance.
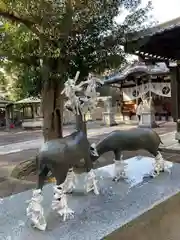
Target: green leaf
(66, 36)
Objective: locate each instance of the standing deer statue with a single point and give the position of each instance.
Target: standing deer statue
(59, 156)
(130, 140)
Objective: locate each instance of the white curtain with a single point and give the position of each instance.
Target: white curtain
(161, 89)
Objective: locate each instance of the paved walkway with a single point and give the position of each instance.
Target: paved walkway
(166, 132)
(17, 135)
(36, 143)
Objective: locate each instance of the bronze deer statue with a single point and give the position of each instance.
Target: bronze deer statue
(59, 156)
(130, 140)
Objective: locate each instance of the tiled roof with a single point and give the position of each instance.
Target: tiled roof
(29, 100)
(138, 68)
(155, 30)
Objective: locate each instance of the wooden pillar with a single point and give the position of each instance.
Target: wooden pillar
(121, 104)
(175, 97)
(175, 92)
(33, 110)
(12, 111)
(23, 113)
(7, 118)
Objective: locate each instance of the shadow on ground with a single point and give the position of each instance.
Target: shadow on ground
(161, 222)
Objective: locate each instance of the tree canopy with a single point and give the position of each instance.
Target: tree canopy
(20, 80)
(83, 35)
(52, 40)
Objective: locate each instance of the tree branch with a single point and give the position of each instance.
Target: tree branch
(28, 61)
(67, 21)
(12, 17)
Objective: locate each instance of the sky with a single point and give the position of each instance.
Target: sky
(165, 10)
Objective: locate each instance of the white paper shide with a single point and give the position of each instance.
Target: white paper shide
(81, 97)
(159, 165)
(70, 181)
(60, 204)
(91, 183)
(35, 211)
(120, 169)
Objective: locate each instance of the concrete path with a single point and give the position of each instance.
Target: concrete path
(36, 138)
(36, 143)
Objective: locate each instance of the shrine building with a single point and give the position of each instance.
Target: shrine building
(161, 44)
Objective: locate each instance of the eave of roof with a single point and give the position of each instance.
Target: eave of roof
(160, 28)
(138, 69)
(29, 100)
(147, 43)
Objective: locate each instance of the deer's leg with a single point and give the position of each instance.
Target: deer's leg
(35, 210)
(91, 182)
(59, 202)
(42, 177)
(119, 166)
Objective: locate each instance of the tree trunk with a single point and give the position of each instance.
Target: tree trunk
(52, 99)
(52, 110)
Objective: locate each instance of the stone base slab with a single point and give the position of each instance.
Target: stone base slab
(32, 124)
(95, 216)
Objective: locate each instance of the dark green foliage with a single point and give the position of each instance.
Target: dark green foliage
(76, 35)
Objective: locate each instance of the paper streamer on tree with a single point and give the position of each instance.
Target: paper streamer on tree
(82, 97)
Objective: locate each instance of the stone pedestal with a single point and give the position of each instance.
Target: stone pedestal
(32, 123)
(147, 120)
(108, 119)
(177, 136)
(96, 217)
(108, 115)
(170, 119)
